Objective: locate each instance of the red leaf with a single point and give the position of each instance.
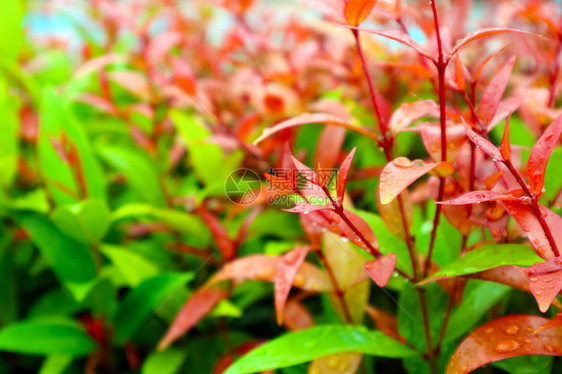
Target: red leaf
(483, 143)
(220, 235)
(343, 173)
(407, 113)
(484, 33)
(196, 307)
(503, 338)
(555, 322)
(494, 92)
(328, 148)
(431, 137)
(307, 207)
(356, 11)
(398, 174)
(387, 323)
(505, 148)
(263, 267)
(380, 270)
(307, 118)
(99, 103)
(297, 317)
(398, 36)
(285, 276)
(540, 154)
(476, 197)
(525, 217)
(545, 281)
(183, 75)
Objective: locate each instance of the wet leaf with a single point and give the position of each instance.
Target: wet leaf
(408, 113)
(341, 363)
(502, 338)
(398, 174)
(431, 137)
(540, 154)
(487, 257)
(220, 235)
(380, 270)
(476, 197)
(545, 281)
(285, 276)
(306, 345)
(195, 308)
(505, 147)
(343, 173)
(494, 92)
(484, 144)
(555, 322)
(392, 216)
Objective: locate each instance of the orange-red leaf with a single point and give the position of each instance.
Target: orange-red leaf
(307, 118)
(285, 276)
(343, 173)
(380, 270)
(398, 174)
(356, 11)
(263, 267)
(503, 338)
(398, 36)
(476, 197)
(540, 154)
(505, 147)
(494, 92)
(545, 281)
(220, 235)
(196, 307)
(555, 322)
(431, 137)
(483, 143)
(407, 113)
(484, 33)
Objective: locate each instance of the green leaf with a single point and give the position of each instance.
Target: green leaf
(71, 261)
(306, 345)
(11, 30)
(180, 221)
(134, 267)
(87, 221)
(526, 364)
(56, 123)
(45, 337)
(143, 300)
(138, 170)
(10, 129)
(487, 257)
(55, 364)
(165, 362)
(35, 200)
(479, 297)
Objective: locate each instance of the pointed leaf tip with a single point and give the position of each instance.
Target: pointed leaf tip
(380, 270)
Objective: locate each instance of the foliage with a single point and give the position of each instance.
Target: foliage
(235, 186)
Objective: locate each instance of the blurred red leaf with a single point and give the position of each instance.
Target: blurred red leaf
(307, 118)
(398, 36)
(183, 75)
(398, 174)
(356, 11)
(329, 145)
(343, 173)
(494, 91)
(545, 281)
(505, 148)
(263, 267)
(387, 323)
(286, 272)
(540, 154)
(380, 270)
(196, 307)
(482, 33)
(296, 316)
(503, 338)
(407, 113)
(307, 207)
(220, 235)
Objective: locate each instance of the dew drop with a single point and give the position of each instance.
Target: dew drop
(541, 250)
(534, 279)
(265, 273)
(507, 346)
(538, 293)
(369, 266)
(344, 239)
(291, 257)
(402, 162)
(489, 330)
(558, 261)
(299, 281)
(549, 348)
(512, 329)
(306, 212)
